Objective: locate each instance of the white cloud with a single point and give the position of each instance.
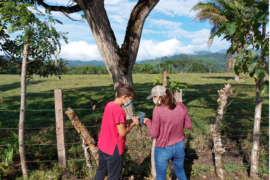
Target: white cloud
(80, 51)
(163, 24)
(149, 31)
(113, 2)
(57, 2)
(180, 33)
(76, 32)
(150, 49)
(176, 7)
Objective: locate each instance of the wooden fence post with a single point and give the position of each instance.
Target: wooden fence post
(218, 148)
(60, 128)
(178, 95)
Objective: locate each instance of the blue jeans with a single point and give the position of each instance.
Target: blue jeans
(176, 153)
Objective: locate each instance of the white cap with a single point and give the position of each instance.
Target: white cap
(157, 91)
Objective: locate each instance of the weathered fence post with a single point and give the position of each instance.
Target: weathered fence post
(85, 134)
(60, 128)
(178, 95)
(224, 94)
(153, 166)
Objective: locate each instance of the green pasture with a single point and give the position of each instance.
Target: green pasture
(82, 92)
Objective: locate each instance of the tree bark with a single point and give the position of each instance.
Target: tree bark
(84, 133)
(257, 120)
(229, 63)
(224, 94)
(23, 108)
(57, 65)
(256, 133)
(218, 150)
(87, 154)
(118, 61)
(165, 78)
(153, 167)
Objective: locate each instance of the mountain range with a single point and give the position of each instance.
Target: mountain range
(207, 56)
(217, 58)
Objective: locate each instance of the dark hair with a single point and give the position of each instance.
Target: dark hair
(168, 100)
(124, 90)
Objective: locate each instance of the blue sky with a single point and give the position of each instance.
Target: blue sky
(168, 30)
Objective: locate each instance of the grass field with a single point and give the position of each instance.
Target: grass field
(82, 92)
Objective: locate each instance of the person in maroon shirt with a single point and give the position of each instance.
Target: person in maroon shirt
(170, 118)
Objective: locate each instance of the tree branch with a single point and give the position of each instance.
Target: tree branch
(64, 9)
(131, 43)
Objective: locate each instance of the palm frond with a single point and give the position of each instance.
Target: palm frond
(209, 42)
(209, 11)
(213, 18)
(214, 28)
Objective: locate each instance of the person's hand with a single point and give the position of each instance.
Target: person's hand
(136, 121)
(145, 119)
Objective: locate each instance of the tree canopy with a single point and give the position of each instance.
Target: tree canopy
(35, 27)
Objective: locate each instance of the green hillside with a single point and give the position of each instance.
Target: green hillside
(217, 58)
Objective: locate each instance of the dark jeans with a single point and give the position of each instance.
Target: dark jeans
(176, 153)
(111, 164)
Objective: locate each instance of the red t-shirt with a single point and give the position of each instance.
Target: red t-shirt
(109, 136)
(168, 125)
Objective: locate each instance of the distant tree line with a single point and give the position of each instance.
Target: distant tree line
(87, 69)
(173, 66)
(177, 66)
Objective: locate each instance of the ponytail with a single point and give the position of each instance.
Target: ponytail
(124, 90)
(168, 100)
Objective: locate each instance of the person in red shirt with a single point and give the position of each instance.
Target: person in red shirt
(112, 138)
(170, 118)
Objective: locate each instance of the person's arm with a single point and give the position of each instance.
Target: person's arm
(187, 123)
(123, 130)
(153, 126)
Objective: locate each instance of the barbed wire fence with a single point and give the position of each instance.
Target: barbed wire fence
(96, 127)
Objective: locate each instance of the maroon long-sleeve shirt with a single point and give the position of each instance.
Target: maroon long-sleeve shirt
(168, 126)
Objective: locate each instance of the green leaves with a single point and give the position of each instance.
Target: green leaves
(157, 81)
(259, 73)
(264, 88)
(252, 67)
(33, 25)
(175, 85)
(231, 27)
(239, 6)
(244, 30)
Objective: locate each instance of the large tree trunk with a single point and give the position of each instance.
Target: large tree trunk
(224, 94)
(118, 60)
(23, 108)
(257, 121)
